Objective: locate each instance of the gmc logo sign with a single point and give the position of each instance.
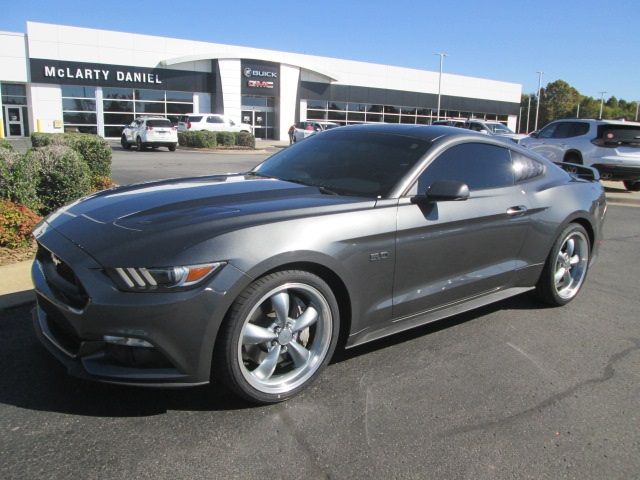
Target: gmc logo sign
(259, 84)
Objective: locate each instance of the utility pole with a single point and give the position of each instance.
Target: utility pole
(578, 111)
(519, 120)
(601, 103)
(528, 111)
(540, 73)
(442, 55)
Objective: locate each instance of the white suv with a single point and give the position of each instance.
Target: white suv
(612, 147)
(212, 122)
(150, 132)
(309, 127)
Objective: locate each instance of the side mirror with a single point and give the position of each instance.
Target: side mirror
(443, 191)
(534, 134)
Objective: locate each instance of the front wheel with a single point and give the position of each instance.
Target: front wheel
(632, 185)
(566, 267)
(280, 333)
(123, 141)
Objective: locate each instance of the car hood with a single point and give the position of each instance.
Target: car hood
(167, 217)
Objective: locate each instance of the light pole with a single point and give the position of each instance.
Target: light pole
(528, 111)
(578, 111)
(540, 73)
(637, 105)
(601, 103)
(442, 55)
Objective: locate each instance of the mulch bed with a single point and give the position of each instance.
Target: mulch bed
(11, 255)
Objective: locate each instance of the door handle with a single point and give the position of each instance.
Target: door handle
(517, 210)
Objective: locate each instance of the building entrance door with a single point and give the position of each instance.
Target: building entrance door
(261, 122)
(14, 121)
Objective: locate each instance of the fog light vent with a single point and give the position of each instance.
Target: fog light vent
(126, 341)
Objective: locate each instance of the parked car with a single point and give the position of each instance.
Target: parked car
(491, 127)
(308, 128)
(612, 147)
(149, 132)
(450, 123)
(212, 122)
(358, 233)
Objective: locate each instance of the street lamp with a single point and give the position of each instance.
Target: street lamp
(442, 55)
(540, 73)
(637, 105)
(601, 103)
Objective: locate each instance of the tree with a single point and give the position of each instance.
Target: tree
(560, 100)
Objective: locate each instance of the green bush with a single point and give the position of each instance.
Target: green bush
(19, 178)
(197, 139)
(16, 224)
(245, 139)
(95, 150)
(5, 145)
(226, 139)
(64, 176)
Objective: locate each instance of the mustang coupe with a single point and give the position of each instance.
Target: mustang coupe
(347, 237)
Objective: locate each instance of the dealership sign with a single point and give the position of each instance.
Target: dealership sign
(259, 76)
(80, 73)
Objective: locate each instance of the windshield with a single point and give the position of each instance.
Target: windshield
(347, 162)
(498, 128)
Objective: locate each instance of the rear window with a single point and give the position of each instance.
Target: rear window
(195, 118)
(620, 134)
(159, 123)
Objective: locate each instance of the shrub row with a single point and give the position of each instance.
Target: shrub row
(16, 224)
(5, 145)
(206, 139)
(94, 150)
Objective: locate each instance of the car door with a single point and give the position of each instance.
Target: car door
(215, 123)
(453, 250)
(550, 141)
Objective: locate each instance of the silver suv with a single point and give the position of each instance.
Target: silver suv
(492, 127)
(612, 147)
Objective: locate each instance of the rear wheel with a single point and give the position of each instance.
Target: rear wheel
(123, 141)
(566, 267)
(279, 335)
(172, 147)
(572, 157)
(139, 144)
(632, 185)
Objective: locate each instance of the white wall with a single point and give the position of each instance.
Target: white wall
(231, 88)
(46, 106)
(201, 103)
(289, 77)
(13, 57)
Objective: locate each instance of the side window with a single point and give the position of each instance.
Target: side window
(478, 165)
(214, 119)
(563, 130)
(547, 132)
(525, 168)
(579, 128)
(476, 127)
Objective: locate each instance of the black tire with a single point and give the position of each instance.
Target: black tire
(572, 157)
(632, 185)
(155, 147)
(232, 358)
(139, 144)
(123, 141)
(172, 148)
(546, 288)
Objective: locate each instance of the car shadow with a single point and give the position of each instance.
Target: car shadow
(617, 190)
(32, 379)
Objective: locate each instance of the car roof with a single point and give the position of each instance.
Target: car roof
(423, 132)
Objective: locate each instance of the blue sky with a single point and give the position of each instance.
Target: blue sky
(593, 45)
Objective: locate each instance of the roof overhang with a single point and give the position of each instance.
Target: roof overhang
(196, 58)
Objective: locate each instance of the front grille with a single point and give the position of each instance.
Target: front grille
(60, 277)
(62, 331)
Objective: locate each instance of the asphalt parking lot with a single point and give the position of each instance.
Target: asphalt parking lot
(512, 390)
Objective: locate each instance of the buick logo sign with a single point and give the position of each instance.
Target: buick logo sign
(252, 72)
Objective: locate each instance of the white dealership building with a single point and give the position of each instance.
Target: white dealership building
(56, 78)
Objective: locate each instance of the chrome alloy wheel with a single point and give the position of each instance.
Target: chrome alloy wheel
(285, 338)
(571, 265)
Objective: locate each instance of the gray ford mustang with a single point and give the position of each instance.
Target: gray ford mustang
(354, 234)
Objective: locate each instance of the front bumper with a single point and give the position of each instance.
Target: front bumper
(181, 327)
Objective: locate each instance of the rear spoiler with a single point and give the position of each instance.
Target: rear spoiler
(580, 171)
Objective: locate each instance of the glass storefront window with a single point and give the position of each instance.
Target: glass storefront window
(79, 118)
(179, 107)
(145, 107)
(118, 93)
(316, 115)
(317, 104)
(78, 104)
(152, 95)
(78, 91)
(337, 105)
(179, 96)
(115, 106)
(118, 118)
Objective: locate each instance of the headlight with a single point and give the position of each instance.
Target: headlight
(163, 278)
